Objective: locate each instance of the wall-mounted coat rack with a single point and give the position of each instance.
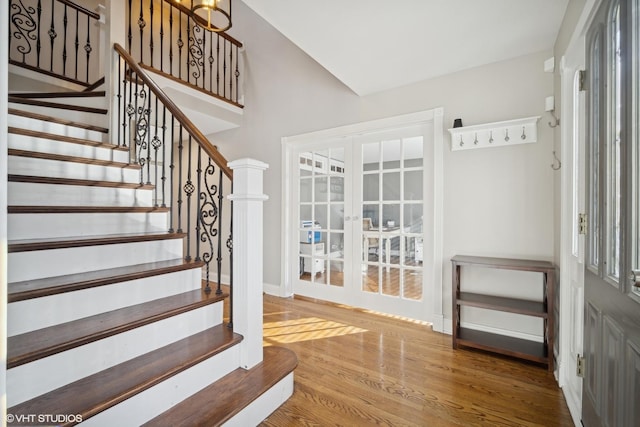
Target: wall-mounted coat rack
(498, 134)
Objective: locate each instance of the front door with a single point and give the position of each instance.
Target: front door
(611, 387)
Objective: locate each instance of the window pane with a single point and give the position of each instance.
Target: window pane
(413, 185)
(613, 152)
(371, 187)
(413, 152)
(594, 158)
(391, 186)
(371, 156)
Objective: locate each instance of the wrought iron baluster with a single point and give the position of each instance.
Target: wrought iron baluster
(224, 70)
(161, 35)
(211, 62)
(171, 176)
(65, 20)
(219, 231)
(180, 189)
(39, 43)
(128, 108)
(188, 190)
(141, 25)
(170, 40)
(208, 218)
(201, 212)
(237, 73)
(231, 77)
(52, 34)
(218, 66)
(180, 44)
(156, 143)
(151, 31)
(148, 135)
(119, 98)
(130, 29)
(77, 44)
(230, 247)
(87, 47)
(189, 42)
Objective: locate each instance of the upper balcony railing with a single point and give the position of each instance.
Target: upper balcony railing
(162, 36)
(55, 37)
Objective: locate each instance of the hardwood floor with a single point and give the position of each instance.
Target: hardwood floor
(358, 368)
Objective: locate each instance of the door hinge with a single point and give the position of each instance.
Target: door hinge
(582, 223)
(582, 80)
(580, 366)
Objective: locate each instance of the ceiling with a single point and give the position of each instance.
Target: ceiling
(375, 45)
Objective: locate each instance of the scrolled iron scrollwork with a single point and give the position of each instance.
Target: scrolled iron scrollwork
(196, 52)
(25, 25)
(208, 214)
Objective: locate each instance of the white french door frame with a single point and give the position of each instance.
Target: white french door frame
(432, 292)
(572, 61)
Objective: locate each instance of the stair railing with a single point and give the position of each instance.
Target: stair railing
(55, 37)
(162, 36)
(188, 172)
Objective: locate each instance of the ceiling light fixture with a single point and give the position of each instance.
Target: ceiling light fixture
(212, 15)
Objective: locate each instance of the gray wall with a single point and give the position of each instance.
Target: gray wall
(496, 201)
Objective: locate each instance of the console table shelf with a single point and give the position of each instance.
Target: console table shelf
(541, 352)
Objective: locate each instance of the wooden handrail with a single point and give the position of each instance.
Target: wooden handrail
(187, 124)
(187, 11)
(79, 8)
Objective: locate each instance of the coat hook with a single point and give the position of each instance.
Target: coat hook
(461, 141)
(506, 135)
(475, 141)
(524, 135)
(556, 121)
(553, 165)
(490, 137)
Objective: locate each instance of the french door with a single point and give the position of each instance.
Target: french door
(362, 207)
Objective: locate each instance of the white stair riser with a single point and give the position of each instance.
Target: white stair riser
(18, 165)
(41, 376)
(263, 406)
(59, 262)
(32, 194)
(37, 313)
(56, 128)
(43, 226)
(157, 399)
(96, 119)
(43, 145)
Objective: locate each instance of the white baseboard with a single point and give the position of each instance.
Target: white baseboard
(438, 324)
(271, 289)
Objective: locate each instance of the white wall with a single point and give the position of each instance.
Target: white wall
(497, 201)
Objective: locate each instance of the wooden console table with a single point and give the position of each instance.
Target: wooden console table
(516, 347)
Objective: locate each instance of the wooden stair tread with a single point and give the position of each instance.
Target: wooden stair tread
(72, 159)
(30, 346)
(38, 103)
(19, 291)
(63, 138)
(98, 392)
(80, 241)
(66, 94)
(72, 181)
(219, 402)
(57, 120)
(85, 209)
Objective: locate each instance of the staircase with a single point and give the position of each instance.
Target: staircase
(107, 323)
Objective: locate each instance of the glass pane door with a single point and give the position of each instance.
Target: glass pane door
(321, 217)
(392, 217)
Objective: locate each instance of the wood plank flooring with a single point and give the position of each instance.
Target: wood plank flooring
(357, 369)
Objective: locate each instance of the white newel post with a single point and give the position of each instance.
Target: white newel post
(247, 200)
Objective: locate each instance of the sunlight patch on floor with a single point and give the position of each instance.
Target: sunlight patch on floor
(305, 329)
